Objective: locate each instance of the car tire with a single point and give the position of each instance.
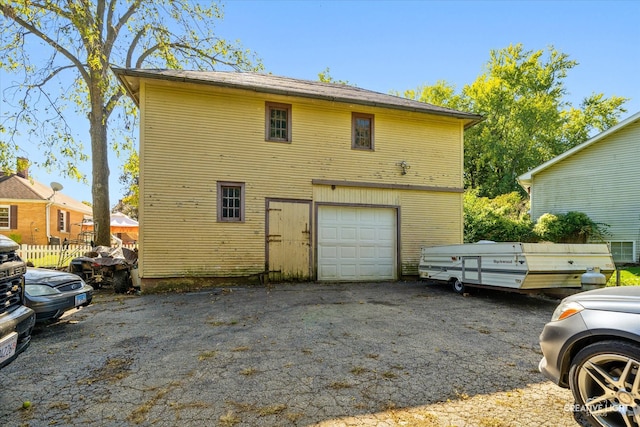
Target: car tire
(457, 286)
(121, 281)
(602, 379)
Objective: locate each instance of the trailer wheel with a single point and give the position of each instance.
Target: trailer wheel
(457, 286)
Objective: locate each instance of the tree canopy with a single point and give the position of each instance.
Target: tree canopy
(61, 54)
(528, 120)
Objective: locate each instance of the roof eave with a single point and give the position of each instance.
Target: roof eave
(528, 176)
(121, 73)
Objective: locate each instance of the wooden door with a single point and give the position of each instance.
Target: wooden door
(288, 240)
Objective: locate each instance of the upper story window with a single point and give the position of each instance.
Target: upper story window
(230, 201)
(362, 131)
(5, 217)
(63, 221)
(278, 122)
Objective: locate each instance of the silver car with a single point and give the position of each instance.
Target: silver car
(51, 293)
(592, 346)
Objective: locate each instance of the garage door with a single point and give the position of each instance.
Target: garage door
(356, 244)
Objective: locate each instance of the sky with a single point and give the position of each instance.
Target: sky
(389, 46)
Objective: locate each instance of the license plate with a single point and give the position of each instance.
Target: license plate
(8, 346)
(81, 299)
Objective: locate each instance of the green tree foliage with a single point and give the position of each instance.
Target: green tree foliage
(324, 76)
(505, 218)
(442, 94)
(502, 219)
(83, 40)
(130, 179)
(572, 227)
(521, 94)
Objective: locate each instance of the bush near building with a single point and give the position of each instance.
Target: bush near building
(505, 218)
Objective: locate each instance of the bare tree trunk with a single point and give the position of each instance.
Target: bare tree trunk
(100, 171)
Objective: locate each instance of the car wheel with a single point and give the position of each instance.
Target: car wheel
(457, 286)
(605, 382)
(121, 281)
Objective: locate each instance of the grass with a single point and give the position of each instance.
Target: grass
(51, 260)
(629, 276)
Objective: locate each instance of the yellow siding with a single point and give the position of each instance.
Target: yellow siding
(193, 136)
(427, 218)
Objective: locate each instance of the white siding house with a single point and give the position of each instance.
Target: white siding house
(601, 178)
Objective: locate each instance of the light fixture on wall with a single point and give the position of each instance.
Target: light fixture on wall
(404, 166)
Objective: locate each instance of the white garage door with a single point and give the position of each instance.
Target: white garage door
(356, 244)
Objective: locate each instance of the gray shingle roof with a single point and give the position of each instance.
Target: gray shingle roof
(267, 83)
(14, 188)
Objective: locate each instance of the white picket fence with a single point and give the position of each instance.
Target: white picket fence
(55, 256)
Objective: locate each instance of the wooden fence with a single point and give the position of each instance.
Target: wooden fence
(55, 256)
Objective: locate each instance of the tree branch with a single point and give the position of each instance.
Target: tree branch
(9, 13)
(114, 30)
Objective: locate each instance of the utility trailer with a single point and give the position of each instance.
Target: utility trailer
(519, 267)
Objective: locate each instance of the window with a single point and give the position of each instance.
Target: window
(278, 122)
(5, 217)
(622, 251)
(8, 217)
(63, 221)
(230, 201)
(362, 131)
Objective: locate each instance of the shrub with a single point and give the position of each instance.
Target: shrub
(502, 219)
(506, 219)
(572, 227)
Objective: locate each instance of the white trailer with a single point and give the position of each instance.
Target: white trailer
(515, 266)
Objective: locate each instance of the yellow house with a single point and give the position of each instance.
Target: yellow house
(35, 214)
(245, 174)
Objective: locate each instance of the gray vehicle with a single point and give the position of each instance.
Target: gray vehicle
(16, 320)
(592, 346)
(51, 293)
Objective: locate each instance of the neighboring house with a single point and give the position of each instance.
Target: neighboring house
(33, 213)
(601, 178)
(121, 227)
(245, 174)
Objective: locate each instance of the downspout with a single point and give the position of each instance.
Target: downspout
(47, 211)
(47, 214)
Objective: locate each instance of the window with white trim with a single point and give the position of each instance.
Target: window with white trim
(5, 217)
(63, 221)
(622, 251)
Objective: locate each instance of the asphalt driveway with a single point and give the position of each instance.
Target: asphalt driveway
(378, 354)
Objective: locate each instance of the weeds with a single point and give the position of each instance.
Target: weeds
(339, 385)
(271, 410)
(249, 371)
(229, 419)
(358, 370)
(207, 355)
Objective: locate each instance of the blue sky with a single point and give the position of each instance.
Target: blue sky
(397, 45)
